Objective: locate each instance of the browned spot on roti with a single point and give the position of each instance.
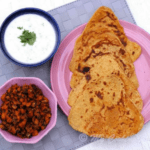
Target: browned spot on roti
(114, 94)
(88, 77)
(104, 83)
(122, 51)
(99, 95)
(91, 100)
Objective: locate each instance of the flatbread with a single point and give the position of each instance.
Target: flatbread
(104, 20)
(104, 98)
(102, 110)
(104, 66)
(99, 45)
(134, 50)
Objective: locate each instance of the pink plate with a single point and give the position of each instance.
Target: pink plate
(60, 73)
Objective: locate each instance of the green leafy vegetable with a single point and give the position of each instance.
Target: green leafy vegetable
(20, 28)
(27, 37)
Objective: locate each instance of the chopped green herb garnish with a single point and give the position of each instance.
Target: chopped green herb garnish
(27, 37)
(20, 28)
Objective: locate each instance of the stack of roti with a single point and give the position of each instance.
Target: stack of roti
(104, 98)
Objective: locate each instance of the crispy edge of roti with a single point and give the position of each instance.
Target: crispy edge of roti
(134, 50)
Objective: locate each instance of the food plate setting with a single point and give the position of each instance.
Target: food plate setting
(62, 78)
(33, 82)
(132, 31)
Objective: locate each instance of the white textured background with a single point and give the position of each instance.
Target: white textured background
(141, 13)
(8, 6)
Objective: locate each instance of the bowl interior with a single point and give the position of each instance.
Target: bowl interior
(52, 103)
(24, 11)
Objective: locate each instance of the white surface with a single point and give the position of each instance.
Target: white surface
(8, 6)
(141, 13)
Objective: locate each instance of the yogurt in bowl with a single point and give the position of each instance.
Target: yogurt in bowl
(30, 37)
(41, 48)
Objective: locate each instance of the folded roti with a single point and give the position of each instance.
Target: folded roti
(99, 45)
(104, 66)
(103, 110)
(103, 20)
(104, 98)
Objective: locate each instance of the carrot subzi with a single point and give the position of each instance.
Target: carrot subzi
(24, 111)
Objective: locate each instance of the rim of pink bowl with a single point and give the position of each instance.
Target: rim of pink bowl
(37, 138)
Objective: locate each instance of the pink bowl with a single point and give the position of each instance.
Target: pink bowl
(52, 104)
